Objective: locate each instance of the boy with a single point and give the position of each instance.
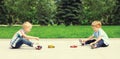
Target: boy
(20, 37)
(101, 36)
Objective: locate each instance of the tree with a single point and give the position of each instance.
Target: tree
(31, 10)
(21, 10)
(46, 10)
(69, 12)
(115, 17)
(97, 10)
(3, 12)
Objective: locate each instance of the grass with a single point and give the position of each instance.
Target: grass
(60, 31)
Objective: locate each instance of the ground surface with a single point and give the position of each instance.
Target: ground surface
(62, 50)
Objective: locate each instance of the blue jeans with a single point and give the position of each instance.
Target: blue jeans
(99, 44)
(22, 41)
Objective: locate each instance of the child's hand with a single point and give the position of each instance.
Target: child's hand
(92, 43)
(84, 41)
(37, 38)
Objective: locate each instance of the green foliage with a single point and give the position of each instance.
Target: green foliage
(98, 10)
(69, 12)
(115, 17)
(46, 10)
(3, 13)
(21, 10)
(30, 10)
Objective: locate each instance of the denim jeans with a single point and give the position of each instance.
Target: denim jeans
(99, 44)
(22, 41)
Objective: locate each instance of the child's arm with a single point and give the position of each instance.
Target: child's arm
(97, 40)
(89, 38)
(29, 37)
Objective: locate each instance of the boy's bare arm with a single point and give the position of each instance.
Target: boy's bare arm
(89, 38)
(29, 37)
(97, 40)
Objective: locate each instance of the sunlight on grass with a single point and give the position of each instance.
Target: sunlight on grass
(60, 31)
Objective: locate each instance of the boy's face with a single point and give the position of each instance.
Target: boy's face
(95, 28)
(27, 29)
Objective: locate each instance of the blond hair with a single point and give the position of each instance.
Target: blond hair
(96, 23)
(26, 24)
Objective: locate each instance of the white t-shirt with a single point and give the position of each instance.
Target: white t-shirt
(16, 37)
(101, 33)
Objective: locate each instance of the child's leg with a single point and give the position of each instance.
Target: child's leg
(27, 42)
(90, 41)
(101, 44)
(22, 41)
(18, 44)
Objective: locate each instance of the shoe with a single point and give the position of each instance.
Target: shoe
(10, 47)
(93, 46)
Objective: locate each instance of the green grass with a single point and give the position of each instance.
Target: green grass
(60, 31)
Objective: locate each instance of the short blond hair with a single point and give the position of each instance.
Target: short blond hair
(26, 24)
(96, 23)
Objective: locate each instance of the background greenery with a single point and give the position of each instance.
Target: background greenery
(67, 12)
(60, 31)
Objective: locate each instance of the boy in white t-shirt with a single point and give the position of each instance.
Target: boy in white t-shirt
(99, 34)
(21, 38)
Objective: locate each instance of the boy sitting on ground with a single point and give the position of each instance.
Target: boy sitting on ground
(21, 38)
(101, 36)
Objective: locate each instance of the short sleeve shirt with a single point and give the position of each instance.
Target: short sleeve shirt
(101, 33)
(16, 37)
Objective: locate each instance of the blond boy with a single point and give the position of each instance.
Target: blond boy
(101, 37)
(21, 38)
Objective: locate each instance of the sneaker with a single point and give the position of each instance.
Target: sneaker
(93, 46)
(81, 41)
(10, 47)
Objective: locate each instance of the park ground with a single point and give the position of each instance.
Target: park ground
(62, 50)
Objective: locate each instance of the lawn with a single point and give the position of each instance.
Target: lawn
(60, 31)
